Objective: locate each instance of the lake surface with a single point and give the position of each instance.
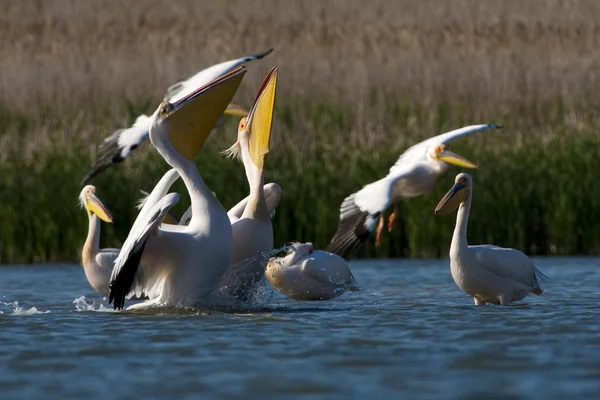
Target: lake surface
(411, 333)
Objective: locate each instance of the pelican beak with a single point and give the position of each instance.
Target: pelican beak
(260, 119)
(95, 206)
(193, 117)
(450, 202)
(235, 111)
(454, 159)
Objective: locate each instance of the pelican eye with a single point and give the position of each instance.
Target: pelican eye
(165, 109)
(440, 149)
(243, 122)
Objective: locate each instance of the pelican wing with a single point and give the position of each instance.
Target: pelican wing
(359, 213)
(119, 145)
(328, 269)
(183, 88)
(126, 265)
(508, 263)
(273, 194)
(418, 150)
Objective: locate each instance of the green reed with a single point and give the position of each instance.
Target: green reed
(535, 190)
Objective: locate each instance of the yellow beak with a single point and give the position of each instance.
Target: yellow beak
(260, 119)
(451, 201)
(95, 206)
(193, 117)
(454, 159)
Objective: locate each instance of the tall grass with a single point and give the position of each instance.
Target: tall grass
(359, 83)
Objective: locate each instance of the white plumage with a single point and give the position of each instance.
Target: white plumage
(173, 264)
(306, 274)
(490, 274)
(118, 146)
(416, 172)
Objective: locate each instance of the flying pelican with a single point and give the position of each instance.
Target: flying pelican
(490, 274)
(417, 171)
(174, 264)
(118, 146)
(253, 231)
(306, 274)
(97, 263)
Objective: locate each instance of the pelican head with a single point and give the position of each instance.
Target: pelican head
(179, 122)
(93, 204)
(456, 195)
(441, 154)
(254, 131)
(295, 251)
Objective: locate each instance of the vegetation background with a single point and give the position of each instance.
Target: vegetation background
(360, 81)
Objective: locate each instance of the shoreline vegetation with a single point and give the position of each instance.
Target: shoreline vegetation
(359, 83)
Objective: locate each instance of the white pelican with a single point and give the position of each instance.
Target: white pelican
(417, 171)
(122, 142)
(97, 263)
(306, 274)
(253, 231)
(490, 274)
(174, 264)
(273, 194)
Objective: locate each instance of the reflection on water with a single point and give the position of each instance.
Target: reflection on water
(410, 333)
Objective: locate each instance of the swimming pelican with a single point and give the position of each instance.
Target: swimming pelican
(490, 274)
(253, 231)
(97, 263)
(417, 171)
(306, 274)
(174, 264)
(273, 194)
(118, 146)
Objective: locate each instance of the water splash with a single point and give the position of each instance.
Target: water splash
(82, 305)
(18, 310)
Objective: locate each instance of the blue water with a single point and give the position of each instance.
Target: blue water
(411, 333)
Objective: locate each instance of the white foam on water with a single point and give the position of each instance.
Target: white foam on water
(18, 310)
(82, 304)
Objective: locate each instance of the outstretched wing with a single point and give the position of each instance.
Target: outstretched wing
(126, 265)
(183, 88)
(358, 216)
(508, 263)
(119, 145)
(417, 151)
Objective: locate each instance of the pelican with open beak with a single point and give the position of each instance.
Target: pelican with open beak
(253, 231)
(490, 274)
(417, 171)
(173, 264)
(118, 146)
(97, 263)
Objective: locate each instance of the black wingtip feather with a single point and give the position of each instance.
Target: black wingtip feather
(101, 164)
(119, 288)
(352, 231)
(258, 56)
(110, 155)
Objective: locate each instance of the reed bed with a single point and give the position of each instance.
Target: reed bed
(359, 83)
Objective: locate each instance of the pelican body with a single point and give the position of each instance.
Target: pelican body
(417, 171)
(490, 274)
(172, 264)
(253, 231)
(306, 274)
(97, 263)
(118, 146)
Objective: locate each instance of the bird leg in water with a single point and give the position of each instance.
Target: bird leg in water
(392, 218)
(379, 231)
